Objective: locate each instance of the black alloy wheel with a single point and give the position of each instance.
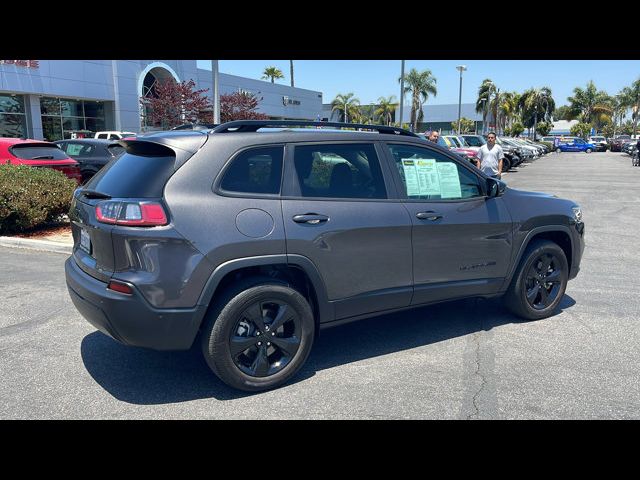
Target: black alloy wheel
(543, 281)
(265, 338)
(539, 283)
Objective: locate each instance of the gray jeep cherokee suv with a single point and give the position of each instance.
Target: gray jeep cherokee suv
(256, 237)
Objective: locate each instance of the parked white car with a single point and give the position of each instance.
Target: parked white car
(114, 135)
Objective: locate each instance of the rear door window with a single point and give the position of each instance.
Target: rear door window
(339, 171)
(257, 170)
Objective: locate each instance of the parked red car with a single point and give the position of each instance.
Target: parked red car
(38, 153)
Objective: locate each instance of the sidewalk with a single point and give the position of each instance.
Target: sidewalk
(55, 239)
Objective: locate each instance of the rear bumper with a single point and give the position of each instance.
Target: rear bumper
(130, 319)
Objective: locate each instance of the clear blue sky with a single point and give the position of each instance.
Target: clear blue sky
(370, 79)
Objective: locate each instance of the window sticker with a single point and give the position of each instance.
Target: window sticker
(428, 178)
(74, 149)
(411, 178)
(449, 180)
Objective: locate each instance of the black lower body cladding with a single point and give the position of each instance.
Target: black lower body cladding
(130, 319)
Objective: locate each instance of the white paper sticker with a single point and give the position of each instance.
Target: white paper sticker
(411, 177)
(428, 176)
(449, 180)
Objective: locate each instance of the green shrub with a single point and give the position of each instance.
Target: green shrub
(548, 144)
(31, 196)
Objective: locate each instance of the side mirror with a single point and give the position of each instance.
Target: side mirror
(495, 188)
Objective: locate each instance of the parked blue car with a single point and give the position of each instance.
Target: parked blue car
(576, 145)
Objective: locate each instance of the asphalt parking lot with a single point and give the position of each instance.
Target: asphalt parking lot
(468, 359)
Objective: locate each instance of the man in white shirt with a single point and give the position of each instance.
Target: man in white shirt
(491, 156)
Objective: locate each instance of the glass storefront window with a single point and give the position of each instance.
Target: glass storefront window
(96, 125)
(61, 117)
(72, 124)
(93, 109)
(49, 106)
(12, 125)
(52, 128)
(11, 104)
(71, 108)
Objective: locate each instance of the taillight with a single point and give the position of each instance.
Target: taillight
(135, 214)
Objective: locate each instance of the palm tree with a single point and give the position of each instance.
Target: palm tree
(536, 104)
(272, 73)
(386, 107)
(586, 104)
(507, 109)
(486, 90)
(632, 99)
(344, 103)
(420, 84)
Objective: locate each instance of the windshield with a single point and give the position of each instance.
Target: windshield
(475, 141)
(455, 141)
(38, 152)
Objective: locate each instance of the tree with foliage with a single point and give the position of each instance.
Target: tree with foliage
(173, 103)
(537, 105)
(466, 125)
(561, 113)
(486, 91)
(420, 85)
(631, 96)
(386, 108)
(581, 129)
(515, 130)
(544, 128)
(508, 109)
(240, 106)
(272, 73)
(343, 103)
(586, 103)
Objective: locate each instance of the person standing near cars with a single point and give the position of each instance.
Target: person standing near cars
(433, 136)
(490, 157)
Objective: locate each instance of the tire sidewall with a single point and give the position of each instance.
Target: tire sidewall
(216, 342)
(518, 293)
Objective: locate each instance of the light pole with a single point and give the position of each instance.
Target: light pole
(484, 114)
(460, 68)
(216, 92)
(401, 92)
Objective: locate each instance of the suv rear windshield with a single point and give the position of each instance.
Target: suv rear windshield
(139, 175)
(38, 152)
(475, 141)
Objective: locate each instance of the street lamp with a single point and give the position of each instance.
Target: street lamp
(460, 68)
(484, 114)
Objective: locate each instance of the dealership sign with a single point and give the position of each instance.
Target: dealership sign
(289, 101)
(22, 63)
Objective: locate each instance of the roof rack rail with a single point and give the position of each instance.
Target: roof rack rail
(255, 125)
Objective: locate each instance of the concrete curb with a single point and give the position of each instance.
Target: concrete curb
(42, 245)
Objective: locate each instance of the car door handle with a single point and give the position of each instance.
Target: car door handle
(310, 218)
(428, 216)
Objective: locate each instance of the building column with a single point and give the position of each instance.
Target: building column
(33, 117)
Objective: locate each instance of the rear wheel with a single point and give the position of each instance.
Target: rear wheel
(258, 338)
(589, 150)
(540, 281)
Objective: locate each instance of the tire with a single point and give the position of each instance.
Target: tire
(526, 280)
(242, 317)
(506, 165)
(589, 150)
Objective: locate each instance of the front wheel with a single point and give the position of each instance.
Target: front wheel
(540, 281)
(589, 150)
(258, 338)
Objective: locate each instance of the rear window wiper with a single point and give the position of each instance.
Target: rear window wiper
(43, 157)
(94, 194)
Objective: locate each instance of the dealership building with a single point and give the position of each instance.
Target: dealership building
(55, 99)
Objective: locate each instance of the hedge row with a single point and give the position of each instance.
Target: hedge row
(30, 197)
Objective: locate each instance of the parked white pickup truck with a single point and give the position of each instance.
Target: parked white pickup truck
(114, 135)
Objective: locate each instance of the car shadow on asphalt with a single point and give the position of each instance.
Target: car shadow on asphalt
(147, 377)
